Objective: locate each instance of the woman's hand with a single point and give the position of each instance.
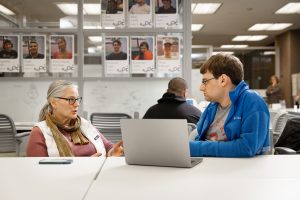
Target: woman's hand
(117, 150)
(96, 154)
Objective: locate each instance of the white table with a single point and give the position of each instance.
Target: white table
(24, 178)
(262, 177)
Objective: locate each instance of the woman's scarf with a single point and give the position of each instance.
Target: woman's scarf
(61, 142)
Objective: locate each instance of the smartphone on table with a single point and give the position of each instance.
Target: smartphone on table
(56, 161)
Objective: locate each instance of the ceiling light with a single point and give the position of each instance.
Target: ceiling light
(193, 6)
(65, 23)
(91, 27)
(68, 8)
(234, 46)
(71, 8)
(249, 37)
(225, 52)
(92, 9)
(199, 56)
(289, 8)
(197, 27)
(269, 52)
(91, 49)
(95, 38)
(205, 8)
(269, 26)
(6, 10)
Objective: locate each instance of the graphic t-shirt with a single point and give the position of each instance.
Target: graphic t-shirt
(216, 130)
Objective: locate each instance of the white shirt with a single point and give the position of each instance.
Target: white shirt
(137, 9)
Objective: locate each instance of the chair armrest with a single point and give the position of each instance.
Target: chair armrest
(23, 134)
(193, 135)
(283, 150)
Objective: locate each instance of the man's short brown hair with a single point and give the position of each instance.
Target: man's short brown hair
(224, 64)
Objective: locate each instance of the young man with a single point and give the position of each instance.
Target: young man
(236, 122)
(167, 7)
(168, 50)
(33, 51)
(173, 104)
(118, 54)
(7, 52)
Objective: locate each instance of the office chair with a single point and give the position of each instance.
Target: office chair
(10, 140)
(109, 124)
(192, 129)
(289, 140)
(278, 125)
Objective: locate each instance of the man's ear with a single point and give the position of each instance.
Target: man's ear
(184, 93)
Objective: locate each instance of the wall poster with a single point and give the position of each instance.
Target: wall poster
(116, 55)
(62, 53)
(9, 53)
(34, 53)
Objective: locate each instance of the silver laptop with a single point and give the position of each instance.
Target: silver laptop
(157, 142)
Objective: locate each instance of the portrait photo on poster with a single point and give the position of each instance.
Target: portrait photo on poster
(166, 6)
(167, 48)
(116, 48)
(112, 6)
(33, 46)
(62, 46)
(139, 6)
(142, 48)
(9, 46)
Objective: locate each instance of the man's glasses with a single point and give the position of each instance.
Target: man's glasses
(71, 100)
(204, 81)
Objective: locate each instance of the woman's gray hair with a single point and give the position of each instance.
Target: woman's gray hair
(56, 89)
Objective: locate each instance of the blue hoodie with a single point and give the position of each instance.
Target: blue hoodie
(246, 127)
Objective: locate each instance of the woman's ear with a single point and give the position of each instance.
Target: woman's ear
(53, 103)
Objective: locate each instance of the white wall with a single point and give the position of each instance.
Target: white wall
(22, 100)
(123, 95)
(196, 82)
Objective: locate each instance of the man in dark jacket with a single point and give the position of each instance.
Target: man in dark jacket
(173, 104)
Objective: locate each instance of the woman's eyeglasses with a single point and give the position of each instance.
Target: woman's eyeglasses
(71, 100)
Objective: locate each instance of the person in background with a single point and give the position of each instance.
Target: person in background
(144, 53)
(273, 92)
(236, 122)
(167, 50)
(61, 132)
(173, 104)
(33, 51)
(7, 52)
(297, 99)
(140, 7)
(111, 7)
(167, 7)
(62, 47)
(117, 54)
(120, 6)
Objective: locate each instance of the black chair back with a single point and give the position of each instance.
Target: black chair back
(290, 136)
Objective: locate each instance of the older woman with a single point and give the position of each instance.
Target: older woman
(61, 132)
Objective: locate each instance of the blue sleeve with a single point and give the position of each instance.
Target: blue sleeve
(254, 137)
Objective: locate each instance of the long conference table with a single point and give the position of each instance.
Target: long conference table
(261, 177)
